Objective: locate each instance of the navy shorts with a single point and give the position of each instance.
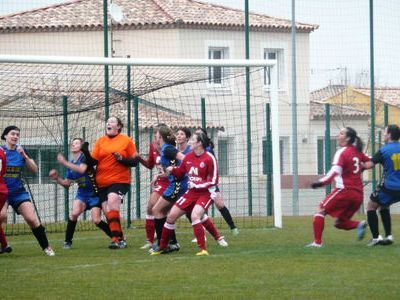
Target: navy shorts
(16, 198)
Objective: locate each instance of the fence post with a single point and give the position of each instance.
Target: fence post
(65, 150)
(128, 104)
(327, 143)
(137, 184)
(268, 158)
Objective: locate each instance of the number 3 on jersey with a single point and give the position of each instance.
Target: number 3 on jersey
(356, 165)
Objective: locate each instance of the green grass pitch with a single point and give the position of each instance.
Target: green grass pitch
(258, 264)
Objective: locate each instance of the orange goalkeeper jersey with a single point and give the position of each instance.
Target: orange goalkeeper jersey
(109, 170)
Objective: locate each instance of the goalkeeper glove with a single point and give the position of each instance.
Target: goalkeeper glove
(317, 184)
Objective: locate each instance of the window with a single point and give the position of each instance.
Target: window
(225, 156)
(282, 153)
(216, 74)
(273, 54)
(45, 158)
(321, 153)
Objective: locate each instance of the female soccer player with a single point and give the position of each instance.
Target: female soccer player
(18, 197)
(344, 201)
(158, 187)
(86, 197)
(201, 168)
(3, 198)
(169, 156)
(114, 154)
(388, 192)
(219, 202)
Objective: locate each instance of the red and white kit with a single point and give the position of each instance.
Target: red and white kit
(203, 177)
(348, 195)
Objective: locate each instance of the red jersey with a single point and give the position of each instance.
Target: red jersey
(3, 168)
(346, 169)
(202, 170)
(151, 157)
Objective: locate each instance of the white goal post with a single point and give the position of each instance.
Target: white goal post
(32, 59)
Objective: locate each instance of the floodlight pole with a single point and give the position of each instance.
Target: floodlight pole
(372, 83)
(106, 73)
(295, 171)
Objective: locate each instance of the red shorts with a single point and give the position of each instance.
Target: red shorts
(161, 185)
(3, 199)
(192, 198)
(342, 203)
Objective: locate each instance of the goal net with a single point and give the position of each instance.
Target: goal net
(52, 103)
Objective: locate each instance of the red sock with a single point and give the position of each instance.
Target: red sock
(318, 225)
(115, 225)
(3, 240)
(150, 229)
(200, 235)
(167, 231)
(346, 224)
(209, 225)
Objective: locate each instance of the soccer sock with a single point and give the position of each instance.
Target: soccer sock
(69, 233)
(346, 224)
(200, 235)
(318, 226)
(210, 227)
(386, 220)
(150, 228)
(114, 223)
(227, 217)
(173, 238)
(166, 234)
(3, 240)
(372, 218)
(40, 234)
(104, 226)
(159, 224)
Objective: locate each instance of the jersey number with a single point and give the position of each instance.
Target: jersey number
(356, 165)
(396, 161)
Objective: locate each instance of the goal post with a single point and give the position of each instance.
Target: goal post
(169, 90)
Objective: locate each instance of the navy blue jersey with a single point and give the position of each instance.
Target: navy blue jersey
(15, 163)
(389, 157)
(83, 180)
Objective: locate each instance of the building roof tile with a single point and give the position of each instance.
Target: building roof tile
(88, 15)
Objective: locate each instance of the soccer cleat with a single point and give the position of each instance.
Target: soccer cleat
(122, 244)
(172, 248)
(314, 245)
(6, 249)
(235, 231)
(375, 242)
(113, 245)
(361, 230)
(49, 251)
(158, 251)
(148, 245)
(203, 252)
(387, 240)
(67, 245)
(221, 242)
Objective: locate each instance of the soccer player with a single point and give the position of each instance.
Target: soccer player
(158, 187)
(86, 197)
(201, 168)
(388, 192)
(18, 197)
(219, 202)
(5, 248)
(344, 201)
(114, 154)
(169, 156)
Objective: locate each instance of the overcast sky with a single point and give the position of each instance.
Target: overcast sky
(339, 48)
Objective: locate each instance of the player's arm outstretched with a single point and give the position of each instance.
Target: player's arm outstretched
(53, 174)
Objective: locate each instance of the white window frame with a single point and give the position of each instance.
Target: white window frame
(231, 155)
(225, 86)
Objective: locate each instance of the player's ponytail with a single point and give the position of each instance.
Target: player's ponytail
(354, 139)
